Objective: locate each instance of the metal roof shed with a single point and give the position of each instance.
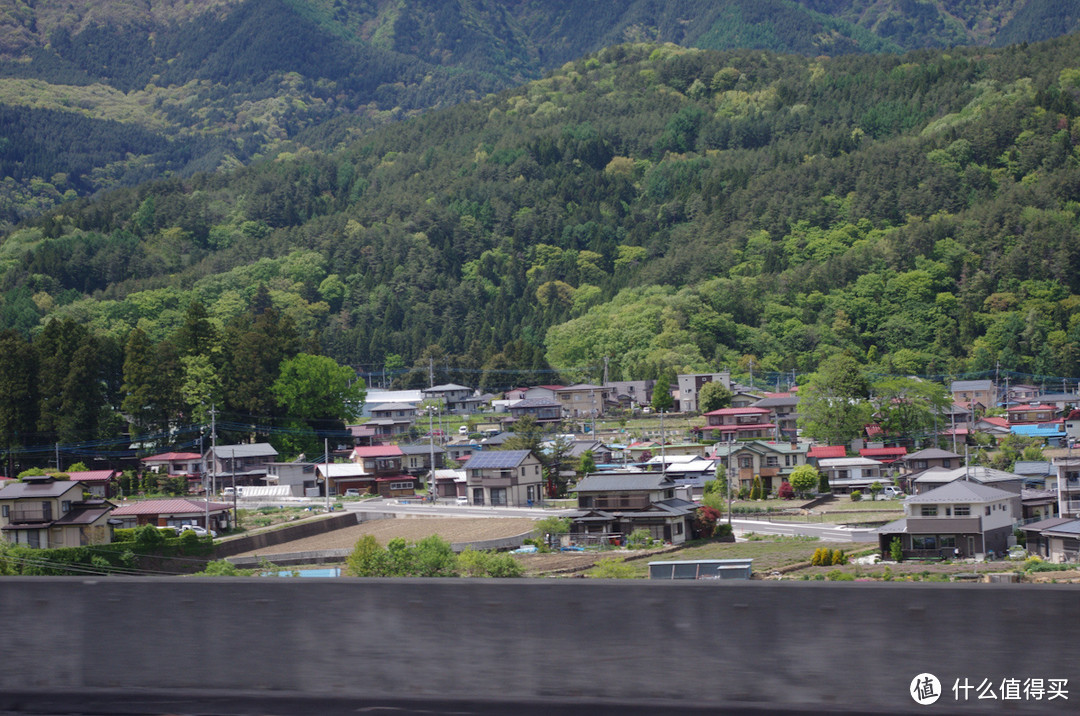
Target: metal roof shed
(718, 569)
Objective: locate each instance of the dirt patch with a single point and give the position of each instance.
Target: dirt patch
(451, 529)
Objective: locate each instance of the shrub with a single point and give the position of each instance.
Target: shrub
(124, 534)
(612, 568)
(223, 568)
(837, 576)
(472, 563)
(896, 550)
(148, 535)
(705, 521)
(838, 557)
(786, 491)
(639, 539)
(856, 495)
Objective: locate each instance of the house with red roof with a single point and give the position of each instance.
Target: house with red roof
(728, 424)
(175, 464)
(383, 463)
(174, 512)
(99, 483)
(378, 460)
(1027, 414)
(825, 452)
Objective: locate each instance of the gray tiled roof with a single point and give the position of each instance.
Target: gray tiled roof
(961, 491)
(1067, 528)
(30, 490)
(628, 481)
(930, 454)
(958, 385)
(1034, 467)
(496, 459)
(227, 452)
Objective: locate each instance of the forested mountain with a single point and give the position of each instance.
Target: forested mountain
(652, 205)
(102, 93)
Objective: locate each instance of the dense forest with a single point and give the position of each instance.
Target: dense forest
(131, 92)
(651, 205)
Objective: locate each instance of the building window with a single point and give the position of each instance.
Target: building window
(988, 510)
(772, 461)
(929, 511)
(962, 510)
(746, 462)
(6, 510)
(65, 506)
(678, 528)
(498, 496)
(401, 486)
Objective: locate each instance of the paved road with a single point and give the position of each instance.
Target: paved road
(448, 510)
(826, 532)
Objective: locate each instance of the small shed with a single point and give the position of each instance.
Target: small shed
(701, 569)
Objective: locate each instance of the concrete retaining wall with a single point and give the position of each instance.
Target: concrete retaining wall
(291, 645)
(261, 540)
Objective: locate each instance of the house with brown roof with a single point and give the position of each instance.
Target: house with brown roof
(174, 512)
(43, 512)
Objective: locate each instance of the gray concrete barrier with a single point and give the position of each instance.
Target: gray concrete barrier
(580, 646)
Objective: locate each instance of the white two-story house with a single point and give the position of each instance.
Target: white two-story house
(962, 518)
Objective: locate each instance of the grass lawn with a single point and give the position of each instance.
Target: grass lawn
(843, 517)
(768, 554)
(843, 502)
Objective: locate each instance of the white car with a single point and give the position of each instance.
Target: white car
(198, 529)
(462, 500)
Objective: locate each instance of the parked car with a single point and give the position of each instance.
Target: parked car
(889, 492)
(352, 492)
(461, 500)
(199, 530)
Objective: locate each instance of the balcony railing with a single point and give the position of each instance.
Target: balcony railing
(22, 515)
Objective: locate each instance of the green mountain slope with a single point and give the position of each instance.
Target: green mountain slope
(220, 82)
(652, 205)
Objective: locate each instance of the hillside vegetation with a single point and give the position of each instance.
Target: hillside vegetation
(652, 205)
(105, 93)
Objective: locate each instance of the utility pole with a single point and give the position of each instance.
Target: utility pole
(326, 463)
(727, 474)
(431, 454)
(606, 371)
(663, 445)
(431, 372)
(213, 448)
